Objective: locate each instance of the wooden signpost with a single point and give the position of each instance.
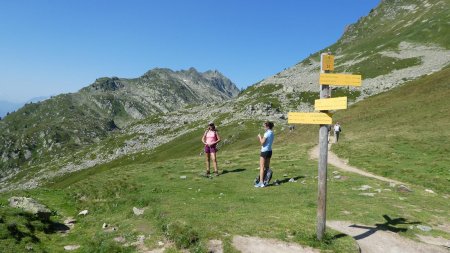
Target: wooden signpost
(324, 119)
(327, 62)
(340, 79)
(330, 104)
(309, 118)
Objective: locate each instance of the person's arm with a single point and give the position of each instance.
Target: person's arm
(204, 138)
(218, 138)
(261, 139)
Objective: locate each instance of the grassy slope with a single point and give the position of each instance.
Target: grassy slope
(402, 134)
(228, 205)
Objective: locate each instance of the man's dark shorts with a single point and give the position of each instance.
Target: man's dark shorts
(266, 154)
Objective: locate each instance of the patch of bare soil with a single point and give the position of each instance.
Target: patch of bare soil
(246, 244)
(376, 239)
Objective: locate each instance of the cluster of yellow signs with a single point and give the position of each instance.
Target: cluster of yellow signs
(338, 103)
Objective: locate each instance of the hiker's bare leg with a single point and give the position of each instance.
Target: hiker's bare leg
(214, 159)
(267, 163)
(262, 163)
(207, 163)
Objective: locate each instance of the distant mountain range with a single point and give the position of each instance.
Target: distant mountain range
(67, 122)
(8, 107)
(397, 41)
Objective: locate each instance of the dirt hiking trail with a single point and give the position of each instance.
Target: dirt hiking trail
(376, 240)
(334, 160)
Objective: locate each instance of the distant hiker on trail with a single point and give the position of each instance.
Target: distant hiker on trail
(337, 131)
(266, 152)
(210, 139)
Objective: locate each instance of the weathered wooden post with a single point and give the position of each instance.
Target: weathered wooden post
(323, 157)
(324, 119)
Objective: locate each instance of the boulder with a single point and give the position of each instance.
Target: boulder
(31, 206)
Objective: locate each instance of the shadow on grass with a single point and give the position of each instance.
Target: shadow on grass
(389, 225)
(232, 171)
(286, 180)
(31, 224)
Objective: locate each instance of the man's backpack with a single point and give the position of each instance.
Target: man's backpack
(267, 176)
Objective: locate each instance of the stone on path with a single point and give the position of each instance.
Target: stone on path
(373, 240)
(71, 247)
(247, 244)
(30, 205)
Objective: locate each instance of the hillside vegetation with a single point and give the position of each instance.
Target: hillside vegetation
(402, 134)
(186, 213)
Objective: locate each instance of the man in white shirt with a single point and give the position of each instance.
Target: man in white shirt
(337, 131)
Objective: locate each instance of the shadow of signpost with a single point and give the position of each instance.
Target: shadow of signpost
(389, 225)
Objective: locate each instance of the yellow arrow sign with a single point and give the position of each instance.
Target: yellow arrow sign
(340, 79)
(328, 62)
(309, 118)
(330, 104)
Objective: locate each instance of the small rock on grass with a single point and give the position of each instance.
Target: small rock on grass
(84, 212)
(424, 228)
(183, 177)
(138, 211)
(71, 247)
(430, 191)
(403, 188)
(363, 188)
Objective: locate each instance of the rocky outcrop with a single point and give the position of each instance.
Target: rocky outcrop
(31, 206)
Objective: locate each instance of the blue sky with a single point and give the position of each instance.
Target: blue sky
(49, 47)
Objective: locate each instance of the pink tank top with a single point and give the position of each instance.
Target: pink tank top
(211, 137)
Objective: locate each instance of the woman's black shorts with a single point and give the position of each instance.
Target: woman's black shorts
(266, 154)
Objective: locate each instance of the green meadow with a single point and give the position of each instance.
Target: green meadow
(399, 134)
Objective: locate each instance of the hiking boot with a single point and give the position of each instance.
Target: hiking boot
(260, 185)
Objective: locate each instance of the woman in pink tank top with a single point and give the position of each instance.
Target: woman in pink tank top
(210, 139)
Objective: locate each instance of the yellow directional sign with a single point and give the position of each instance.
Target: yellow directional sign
(309, 118)
(328, 62)
(330, 104)
(340, 79)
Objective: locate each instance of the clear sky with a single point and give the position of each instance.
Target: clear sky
(49, 47)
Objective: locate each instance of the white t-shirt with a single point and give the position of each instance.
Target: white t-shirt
(337, 128)
(267, 146)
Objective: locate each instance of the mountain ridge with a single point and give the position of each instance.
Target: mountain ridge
(43, 131)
